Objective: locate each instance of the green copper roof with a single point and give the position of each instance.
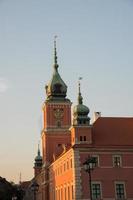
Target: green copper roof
(80, 111)
(56, 87)
(38, 157)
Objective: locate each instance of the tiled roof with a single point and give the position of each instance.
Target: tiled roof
(113, 131)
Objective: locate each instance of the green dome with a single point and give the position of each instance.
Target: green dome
(38, 158)
(56, 87)
(81, 109)
(80, 112)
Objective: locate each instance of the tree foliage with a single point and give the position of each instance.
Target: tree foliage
(8, 190)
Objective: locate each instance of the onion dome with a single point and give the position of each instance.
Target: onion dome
(38, 159)
(56, 89)
(80, 111)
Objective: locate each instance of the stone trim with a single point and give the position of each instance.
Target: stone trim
(77, 176)
(106, 150)
(107, 199)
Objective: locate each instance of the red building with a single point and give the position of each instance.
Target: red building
(67, 143)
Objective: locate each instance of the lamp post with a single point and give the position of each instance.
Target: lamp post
(89, 165)
(34, 188)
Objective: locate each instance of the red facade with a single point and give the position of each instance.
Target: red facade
(66, 144)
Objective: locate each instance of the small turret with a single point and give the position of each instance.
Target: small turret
(38, 163)
(80, 111)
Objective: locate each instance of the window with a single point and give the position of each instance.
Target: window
(65, 193)
(84, 138)
(96, 164)
(61, 193)
(68, 192)
(120, 191)
(53, 194)
(72, 192)
(67, 165)
(64, 167)
(61, 169)
(117, 161)
(80, 138)
(71, 163)
(96, 191)
(56, 194)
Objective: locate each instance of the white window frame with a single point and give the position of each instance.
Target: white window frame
(120, 182)
(97, 182)
(113, 157)
(96, 156)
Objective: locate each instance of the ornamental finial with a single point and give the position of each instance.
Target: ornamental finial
(80, 98)
(38, 148)
(55, 54)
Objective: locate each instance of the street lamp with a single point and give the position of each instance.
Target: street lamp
(89, 165)
(34, 188)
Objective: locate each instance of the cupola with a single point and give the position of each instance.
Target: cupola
(38, 159)
(80, 111)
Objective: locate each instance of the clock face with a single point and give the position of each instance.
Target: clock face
(58, 113)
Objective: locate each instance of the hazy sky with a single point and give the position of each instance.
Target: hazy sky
(95, 41)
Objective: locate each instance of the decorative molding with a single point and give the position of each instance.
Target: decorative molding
(77, 175)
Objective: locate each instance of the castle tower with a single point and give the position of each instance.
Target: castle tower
(38, 163)
(81, 129)
(57, 115)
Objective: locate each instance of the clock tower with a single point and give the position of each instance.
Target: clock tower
(56, 116)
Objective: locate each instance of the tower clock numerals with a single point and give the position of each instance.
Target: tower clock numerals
(58, 113)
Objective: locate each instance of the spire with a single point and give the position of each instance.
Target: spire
(38, 158)
(80, 98)
(55, 55)
(80, 111)
(38, 153)
(38, 162)
(56, 88)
